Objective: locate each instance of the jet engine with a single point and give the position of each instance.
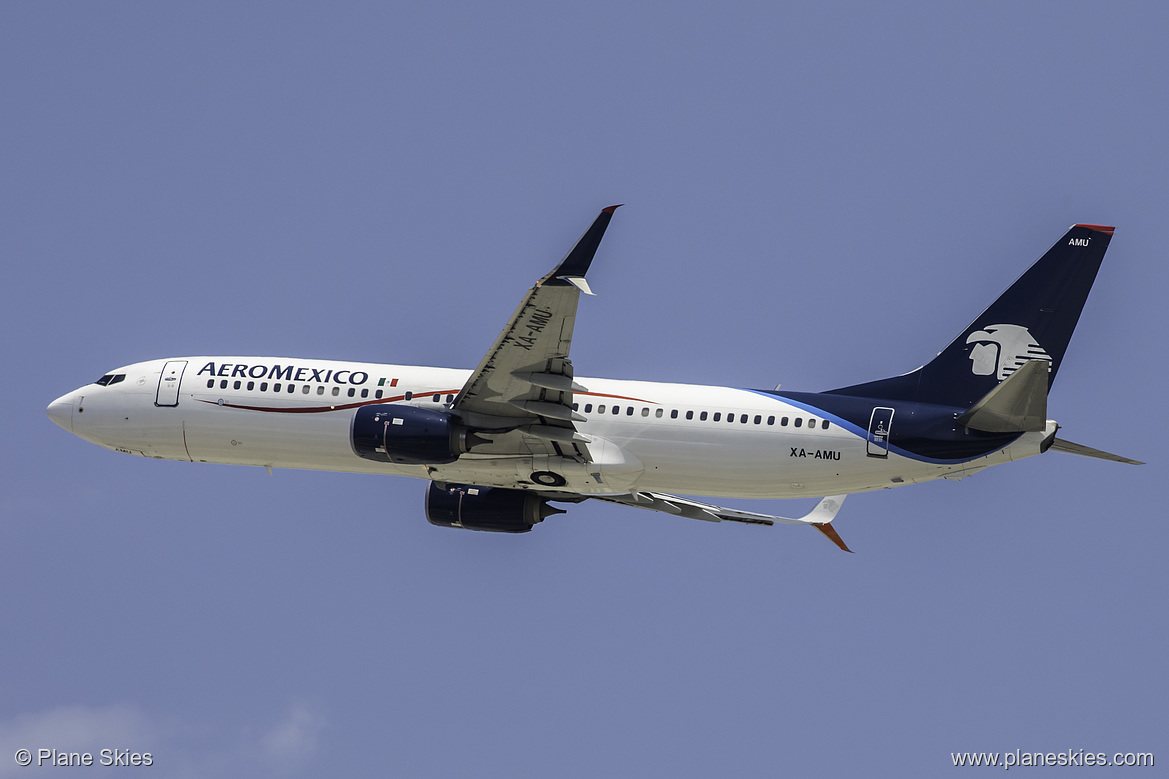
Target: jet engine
(485, 508)
(408, 435)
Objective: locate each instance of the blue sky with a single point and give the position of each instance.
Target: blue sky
(815, 197)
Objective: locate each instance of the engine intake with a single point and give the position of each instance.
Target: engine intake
(408, 435)
(492, 509)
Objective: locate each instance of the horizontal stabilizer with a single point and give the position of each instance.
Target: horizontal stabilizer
(1017, 405)
(1060, 445)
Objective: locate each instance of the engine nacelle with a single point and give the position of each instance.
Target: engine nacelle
(485, 508)
(407, 435)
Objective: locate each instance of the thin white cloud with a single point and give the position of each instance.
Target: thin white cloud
(296, 736)
(74, 729)
(177, 750)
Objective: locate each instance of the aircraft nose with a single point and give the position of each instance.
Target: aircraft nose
(61, 411)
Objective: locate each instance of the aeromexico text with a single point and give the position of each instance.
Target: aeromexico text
(284, 372)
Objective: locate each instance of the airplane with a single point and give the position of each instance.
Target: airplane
(500, 443)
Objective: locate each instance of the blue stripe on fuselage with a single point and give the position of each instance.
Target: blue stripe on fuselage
(975, 443)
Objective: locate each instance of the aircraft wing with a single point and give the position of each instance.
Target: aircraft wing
(819, 517)
(521, 394)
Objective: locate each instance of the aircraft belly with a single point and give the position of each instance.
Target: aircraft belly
(771, 466)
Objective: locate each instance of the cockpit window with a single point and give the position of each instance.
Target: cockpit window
(110, 378)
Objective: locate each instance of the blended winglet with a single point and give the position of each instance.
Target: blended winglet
(576, 263)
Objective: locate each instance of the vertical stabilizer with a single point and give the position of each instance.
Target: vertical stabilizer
(1033, 320)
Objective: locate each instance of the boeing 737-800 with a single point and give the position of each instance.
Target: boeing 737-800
(501, 442)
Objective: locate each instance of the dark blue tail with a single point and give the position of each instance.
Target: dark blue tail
(1032, 320)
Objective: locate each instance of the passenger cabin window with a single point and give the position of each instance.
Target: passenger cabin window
(616, 409)
(353, 392)
(771, 420)
(437, 397)
(320, 390)
(263, 386)
(799, 421)
(210, 383)
(645, 412)
(377, 394)
(758, 419)
(336, 391)
(223, 384)
(783, 422)
(305, 390)
(690, 415)
(718, 415)
(702, 417)
(365, 393)
(409, 395)
(659, 413)
(824, 425)
(251, 386)
(235, 384)
(589, 408)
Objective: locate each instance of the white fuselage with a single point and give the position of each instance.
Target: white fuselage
(644, 436)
